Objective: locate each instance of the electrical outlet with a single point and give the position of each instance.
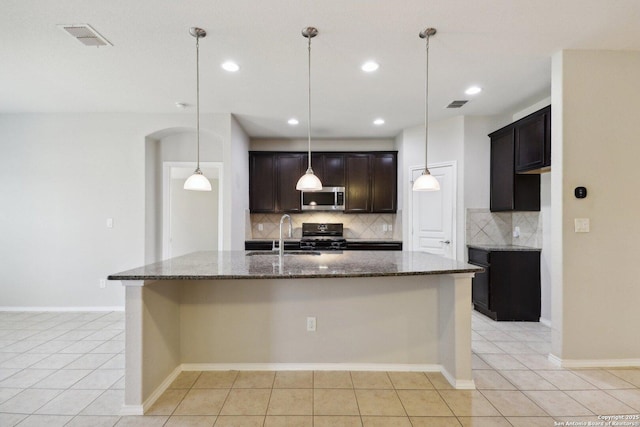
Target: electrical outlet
(109, 222)
(311, 324)
(516, 232)
(103, 283)
(384, 227)
(581, 225)
(260, 227)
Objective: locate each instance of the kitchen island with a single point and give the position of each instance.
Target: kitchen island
(377, 310)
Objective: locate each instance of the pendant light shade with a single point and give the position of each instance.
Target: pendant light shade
(309, 181)
(426, 181)
(197, 181)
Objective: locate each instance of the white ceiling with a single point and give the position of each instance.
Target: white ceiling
(504, 46)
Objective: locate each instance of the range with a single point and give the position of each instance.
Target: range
(322, 236)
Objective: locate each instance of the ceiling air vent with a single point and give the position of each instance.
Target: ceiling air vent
(85, 35)
(457, 104)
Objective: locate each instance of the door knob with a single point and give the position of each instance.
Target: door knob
(446, 242)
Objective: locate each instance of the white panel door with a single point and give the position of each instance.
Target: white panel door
(432, 213)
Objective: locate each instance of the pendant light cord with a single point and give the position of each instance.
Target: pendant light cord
(309, 104)
(426, 106)
(198, 99)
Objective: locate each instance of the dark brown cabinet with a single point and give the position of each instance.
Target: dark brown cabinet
(384, 188)
(262, 182)
(509, 287)
(329, 167)
(358, 183)
(370, 179)
(290, 167)
(272, 181)
(510, 191)
(533, 142)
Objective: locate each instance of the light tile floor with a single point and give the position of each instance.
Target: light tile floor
(67, 369)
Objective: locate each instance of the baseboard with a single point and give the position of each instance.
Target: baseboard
(141, 409)
(63, 309)
(458, 384)
(593, 363)
(161, 389)
(545, 322)
(385, 367)
(311, 367)
(131, 410)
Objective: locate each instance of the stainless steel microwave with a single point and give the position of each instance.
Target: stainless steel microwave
(327, 199)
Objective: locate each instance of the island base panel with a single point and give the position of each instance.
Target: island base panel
(384, 323)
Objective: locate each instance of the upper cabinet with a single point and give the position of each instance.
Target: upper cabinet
(370, 179)
(384, 195)
(329, 168)
(358, 187)
(290, 167)
(272, 181)
(533, 142)
(519, 152)
(262, 182)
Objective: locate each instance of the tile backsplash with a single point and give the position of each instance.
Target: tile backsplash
(356, 226)
(484, 227)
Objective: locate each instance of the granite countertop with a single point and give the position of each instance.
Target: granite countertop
(297, 239)
(504, 248)
(239, 265)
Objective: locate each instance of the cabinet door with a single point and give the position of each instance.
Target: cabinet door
(262, 188)
(290, 169)
(530, 136)
(502, 171)
(329, 167)
(384, 189)
(333, 170)
(480, 289)
(358, 183)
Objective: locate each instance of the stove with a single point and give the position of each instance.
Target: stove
(322, 236)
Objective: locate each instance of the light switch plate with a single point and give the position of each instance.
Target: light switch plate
(581, 225)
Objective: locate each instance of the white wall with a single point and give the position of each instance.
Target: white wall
(61, 177)
(594, 97)
(238, 182)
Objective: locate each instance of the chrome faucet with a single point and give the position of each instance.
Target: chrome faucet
(281, 242)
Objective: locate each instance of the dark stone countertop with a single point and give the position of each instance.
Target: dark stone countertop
(265, 265)
(505, 248)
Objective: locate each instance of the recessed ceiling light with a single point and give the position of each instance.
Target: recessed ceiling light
(293, 121)
(230, 66)
(378, 122)
(473, 90)
(370, 66)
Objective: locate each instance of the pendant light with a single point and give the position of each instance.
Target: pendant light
(426, 181)
(308, 181)
(197, 181)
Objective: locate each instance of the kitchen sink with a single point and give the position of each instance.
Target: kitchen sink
(286, 253)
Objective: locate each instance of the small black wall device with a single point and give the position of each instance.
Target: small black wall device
(580, 192)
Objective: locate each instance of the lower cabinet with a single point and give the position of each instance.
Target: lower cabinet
(360, 245)
(509, 288)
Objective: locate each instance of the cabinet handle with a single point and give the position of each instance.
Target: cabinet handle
(446, 242)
